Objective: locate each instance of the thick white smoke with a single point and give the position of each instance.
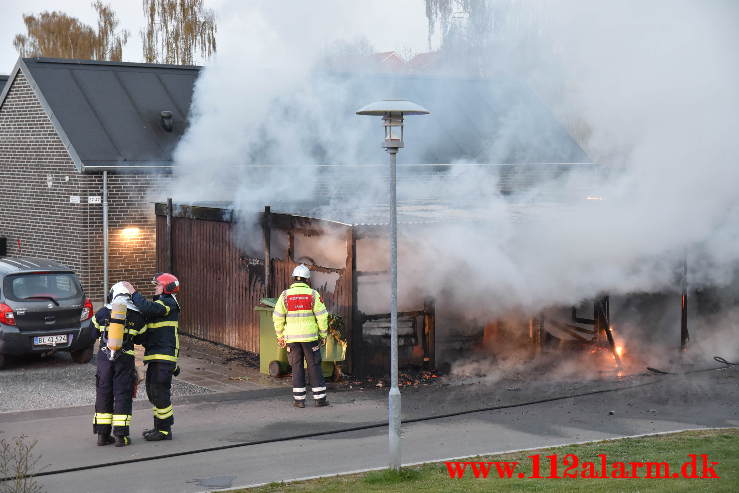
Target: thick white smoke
(650, 88)
(657, 88)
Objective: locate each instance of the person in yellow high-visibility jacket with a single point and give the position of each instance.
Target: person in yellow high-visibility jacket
(301, 325)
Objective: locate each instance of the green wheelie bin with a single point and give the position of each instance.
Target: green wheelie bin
(272, 358)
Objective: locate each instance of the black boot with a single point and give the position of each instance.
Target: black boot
(300, 404)
(104, 439)
(158, 435)
(122, 441)
(321, 402)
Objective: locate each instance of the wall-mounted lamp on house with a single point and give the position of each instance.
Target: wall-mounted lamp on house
(392, 112)
(130, 233)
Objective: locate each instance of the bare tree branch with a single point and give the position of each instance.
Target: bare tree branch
(178, 32)
(57, 35)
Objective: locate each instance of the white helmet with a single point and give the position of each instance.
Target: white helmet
(301, 271)
(118, 289)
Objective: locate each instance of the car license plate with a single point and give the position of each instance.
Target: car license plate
(50, 340)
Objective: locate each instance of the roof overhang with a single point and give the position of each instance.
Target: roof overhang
(286, 221)
(132, 167)
(20, 66)
(11, 77)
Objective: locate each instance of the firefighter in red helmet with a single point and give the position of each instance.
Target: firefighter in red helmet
(161, 349)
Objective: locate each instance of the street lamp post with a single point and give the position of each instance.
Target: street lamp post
(392, 112)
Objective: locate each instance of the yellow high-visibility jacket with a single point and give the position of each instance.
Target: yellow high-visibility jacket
(300, 315)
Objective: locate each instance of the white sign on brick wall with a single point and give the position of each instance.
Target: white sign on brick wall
(74, 199)
(94, 199)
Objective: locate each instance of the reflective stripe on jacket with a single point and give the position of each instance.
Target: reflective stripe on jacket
(161, 339)
(132, 327)
(300, 315)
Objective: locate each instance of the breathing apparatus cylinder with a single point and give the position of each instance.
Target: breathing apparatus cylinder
(115, 328)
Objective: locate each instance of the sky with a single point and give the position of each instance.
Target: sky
(406, 31)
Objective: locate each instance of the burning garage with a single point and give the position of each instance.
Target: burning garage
(336, 221)
(503, 225)
(350, 268)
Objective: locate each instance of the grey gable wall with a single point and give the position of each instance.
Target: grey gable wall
(39, 176)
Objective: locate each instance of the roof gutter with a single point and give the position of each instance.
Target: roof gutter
(104, 167)
(92, 168)
(121, 167)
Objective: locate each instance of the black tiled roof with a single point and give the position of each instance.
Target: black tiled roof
(111, 111)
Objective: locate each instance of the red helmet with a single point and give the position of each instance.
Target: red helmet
(170, 283)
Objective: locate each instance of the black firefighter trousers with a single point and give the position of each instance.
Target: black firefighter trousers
(311, 353)
(159, 391)
(114, 384)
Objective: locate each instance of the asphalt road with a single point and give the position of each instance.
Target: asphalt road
(57, 381)
(661, 403)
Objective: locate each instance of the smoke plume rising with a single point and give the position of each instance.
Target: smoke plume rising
(650, 90)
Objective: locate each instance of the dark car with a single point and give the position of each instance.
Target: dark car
(43, 309)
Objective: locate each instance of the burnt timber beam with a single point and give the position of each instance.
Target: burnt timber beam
(373, 273)
(196, 212)
(306, 225)
(429, 328)
(169, 260)
(354, 326)
(684, 335)
(603, 321)
(267, 236)
(381, 316)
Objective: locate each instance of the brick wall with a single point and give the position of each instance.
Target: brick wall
(38, 177)
(131, 228)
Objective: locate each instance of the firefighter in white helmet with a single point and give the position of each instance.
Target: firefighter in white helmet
(116, 378)
(301, 324)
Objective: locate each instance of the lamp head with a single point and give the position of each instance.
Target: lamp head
(392, 112)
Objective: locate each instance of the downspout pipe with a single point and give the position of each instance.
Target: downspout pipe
(106, 239)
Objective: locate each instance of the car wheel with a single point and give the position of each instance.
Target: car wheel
(2, 360)
(82, 355)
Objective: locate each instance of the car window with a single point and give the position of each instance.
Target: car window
(57, 285)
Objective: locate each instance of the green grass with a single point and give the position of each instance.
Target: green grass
(721, 446)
